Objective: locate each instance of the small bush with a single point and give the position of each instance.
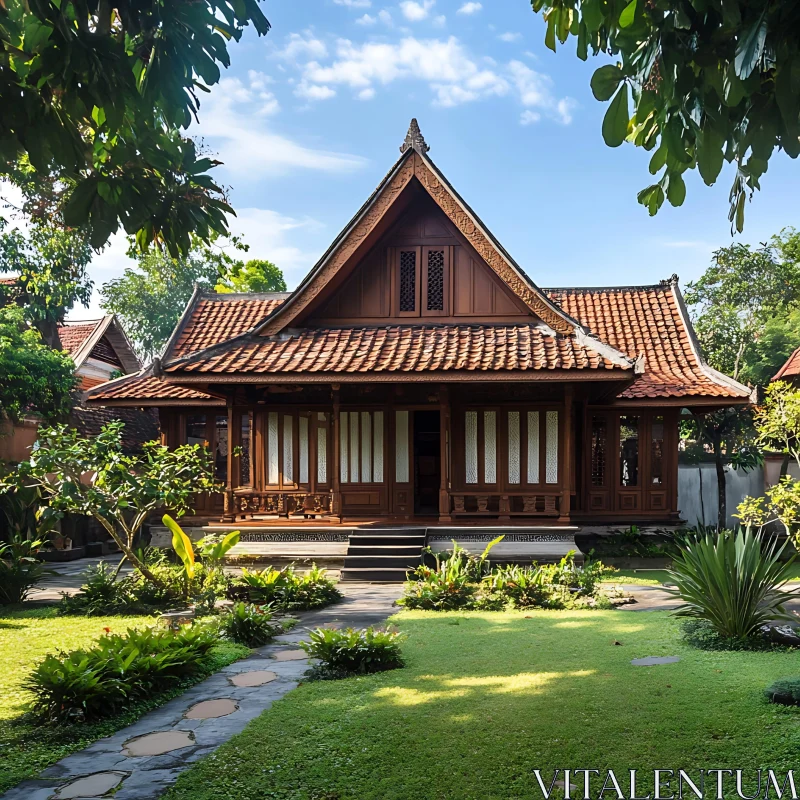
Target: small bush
(250, 625)
(703, 634)
(20, 569)
(785, 691)
(521, 587)
(286, 589)
(353, 652)
(84, 685)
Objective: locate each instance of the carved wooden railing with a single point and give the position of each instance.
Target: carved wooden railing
(283, 504)
(529, 504)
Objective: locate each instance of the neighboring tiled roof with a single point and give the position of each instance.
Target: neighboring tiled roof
(791, 369)
(648, 320)
(401, 348)
(140, 426)
(213, 318)
(144, 388)
(73, 336)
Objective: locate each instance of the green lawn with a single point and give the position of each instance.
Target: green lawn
(25, 637)
(655, 577)
(486, 698)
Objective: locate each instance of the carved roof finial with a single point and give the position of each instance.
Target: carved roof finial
(414, 139)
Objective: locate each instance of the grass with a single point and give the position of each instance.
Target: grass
(639, 577)
(487, 698)
(27, 636)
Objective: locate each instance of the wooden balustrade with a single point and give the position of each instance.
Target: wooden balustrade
(502, 505)
(284, 504)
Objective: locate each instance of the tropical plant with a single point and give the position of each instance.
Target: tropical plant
(124, 489)
(735, 582)
(517, 585)
(354, 652)
(213, 548)
(97, 96)
(448, 586)
(255, 275)
(780, 502)
(784, 691)
(96, 682)
(710, 82)
(250, 625)
(777, 421)
(285, 588)
(20, 569)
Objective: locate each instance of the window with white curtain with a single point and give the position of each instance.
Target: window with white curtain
(361, 446)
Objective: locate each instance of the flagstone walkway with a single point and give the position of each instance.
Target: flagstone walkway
(142, 760)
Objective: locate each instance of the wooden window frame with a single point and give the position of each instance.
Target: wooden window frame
(371, 410)
(396, 251)
(423, 268)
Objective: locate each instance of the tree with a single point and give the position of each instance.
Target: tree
(711, 81)
(121, 490)
(33, 377)
(150, 298)
(730, 436)
(256, 275)
(97, 95)
(50, 265)
(740, 293)
(778, 339)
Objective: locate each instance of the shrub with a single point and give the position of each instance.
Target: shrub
(733, 582)
(522, 587)
(448, 586)
(120, 669)
(353, 652)
(250, 625)
(285, 589)
(20, 570)
(785, 691)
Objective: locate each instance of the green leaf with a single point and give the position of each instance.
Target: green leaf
(751, 47)
(182, 544)
(605, 81)
(593, 15)
(550, 33)
(658, 160)
(676, 189)
(615, 121)
(627, 15)
(76, 211)
(709, 155)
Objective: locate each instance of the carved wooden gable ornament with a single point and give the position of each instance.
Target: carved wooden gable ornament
(415, 163)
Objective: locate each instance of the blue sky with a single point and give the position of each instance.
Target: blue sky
(309, 119)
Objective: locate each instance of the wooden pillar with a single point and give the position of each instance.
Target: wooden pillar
(566, 464)
(444, 454)
(336, 501)
(229, 508)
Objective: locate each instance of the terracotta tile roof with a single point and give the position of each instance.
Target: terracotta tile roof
(140, 426)
(401, 348)
(216, 317)
(73, 336)
(145, 389)
(648, 320)
(791, 369)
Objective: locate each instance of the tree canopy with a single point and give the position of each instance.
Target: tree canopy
(256, 275)
(150, 297)
(97, 95)
(709, 80)
(33, 377)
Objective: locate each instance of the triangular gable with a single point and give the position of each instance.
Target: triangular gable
(415, 163)
(101, 335)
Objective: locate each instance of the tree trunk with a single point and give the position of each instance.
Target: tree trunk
(49, 331)
(722, 514)
(784, 466)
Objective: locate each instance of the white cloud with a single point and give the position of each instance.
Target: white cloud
(470, 8)
(385, 17)
(535, 92)
(354, 3)
(528, 117)
(313, 91)
(452, 74)
(415, 11)
(510, 37)
(234, 126)
(366, 94)
(300, 46)
(366, 20)
(440, 21)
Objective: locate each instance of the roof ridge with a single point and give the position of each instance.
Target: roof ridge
(665, 285)
(248, 295)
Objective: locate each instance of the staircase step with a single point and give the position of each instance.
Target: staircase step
(401, 541)
(372, 575)
(377, 549)
(382, 561)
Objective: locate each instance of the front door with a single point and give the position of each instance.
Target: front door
(427, 462)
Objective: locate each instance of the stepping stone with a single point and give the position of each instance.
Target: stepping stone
(91, 786)
(290, 655)
(211, 709)
(156, 744)
(255, 678)
(651, 661)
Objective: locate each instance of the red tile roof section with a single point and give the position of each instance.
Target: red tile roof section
(646, 320)
(791, 369)
(73, 336)
(144, 388)
(216, 318)
(400, 348)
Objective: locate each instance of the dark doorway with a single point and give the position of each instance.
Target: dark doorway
(427, 462)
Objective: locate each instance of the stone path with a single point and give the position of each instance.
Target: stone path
(142, 760)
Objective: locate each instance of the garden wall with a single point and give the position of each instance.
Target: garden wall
(694, 506)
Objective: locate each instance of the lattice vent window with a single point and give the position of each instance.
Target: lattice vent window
(408, 280)
(436, 280)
